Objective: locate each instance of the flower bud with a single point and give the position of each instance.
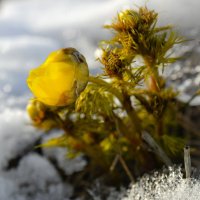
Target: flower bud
(60, 79)
(36, 111)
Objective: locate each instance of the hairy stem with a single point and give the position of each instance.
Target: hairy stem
(153, 85)
(152, 79)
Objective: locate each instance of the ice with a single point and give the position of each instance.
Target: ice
(166, 185)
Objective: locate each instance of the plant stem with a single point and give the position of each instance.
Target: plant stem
(128, 172)
(154, 86)
(156, 148)
(187, 162)
(114, 163)
(152, 81)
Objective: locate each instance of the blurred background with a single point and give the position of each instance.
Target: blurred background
(29, 31)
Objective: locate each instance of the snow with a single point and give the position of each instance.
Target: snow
(69, 166)
(165, 185)
(33, 179)
(15, 135)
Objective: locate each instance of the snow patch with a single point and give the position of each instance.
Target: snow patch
(15, 134)
(169, 184)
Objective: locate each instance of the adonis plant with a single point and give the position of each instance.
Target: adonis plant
(125, 121)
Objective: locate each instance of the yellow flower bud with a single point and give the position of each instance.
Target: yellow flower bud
(36, 111)
(60, 79)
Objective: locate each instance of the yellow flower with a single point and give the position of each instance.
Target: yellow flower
(60, 79)
(36, 111)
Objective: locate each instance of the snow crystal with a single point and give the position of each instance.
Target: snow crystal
(168, 185)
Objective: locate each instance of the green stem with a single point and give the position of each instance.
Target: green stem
(152, 81)
(154, 86)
